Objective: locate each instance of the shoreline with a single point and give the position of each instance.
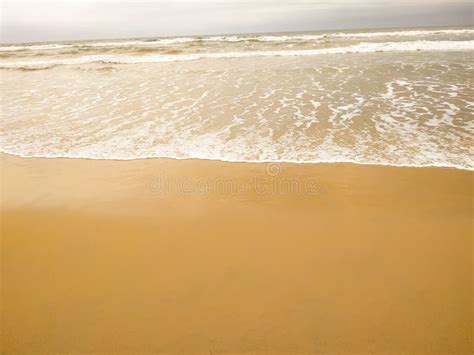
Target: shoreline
(282, 162)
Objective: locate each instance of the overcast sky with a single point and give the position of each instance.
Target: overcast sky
(49, 20)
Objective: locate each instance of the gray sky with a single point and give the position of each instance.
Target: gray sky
(49, 20)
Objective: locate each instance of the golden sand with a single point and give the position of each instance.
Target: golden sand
(203, 257)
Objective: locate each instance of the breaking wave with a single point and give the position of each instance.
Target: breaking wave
(158, 58)
(234, 38)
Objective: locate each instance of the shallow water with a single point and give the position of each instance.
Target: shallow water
(401, 97)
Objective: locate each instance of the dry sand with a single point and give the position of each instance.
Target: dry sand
(203, 257)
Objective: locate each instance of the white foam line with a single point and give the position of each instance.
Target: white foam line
(159, 42)
(35, 47)
(359, 48)
(235, 38)
(167, 42)
(411, 33)
(306, 162)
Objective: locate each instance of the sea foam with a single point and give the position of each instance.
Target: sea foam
(160, 58)
(278, 38)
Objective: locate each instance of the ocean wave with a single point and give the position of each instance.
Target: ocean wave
(166, 42)
(172, 41)
(281, 38)
(409, 33)
(36, 47)
(269, 38)
(159, 58)
(141, 43)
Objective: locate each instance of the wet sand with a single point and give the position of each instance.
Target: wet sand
(203, 257)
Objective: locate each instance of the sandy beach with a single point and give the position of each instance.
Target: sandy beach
(216, 177)
(165, 256)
